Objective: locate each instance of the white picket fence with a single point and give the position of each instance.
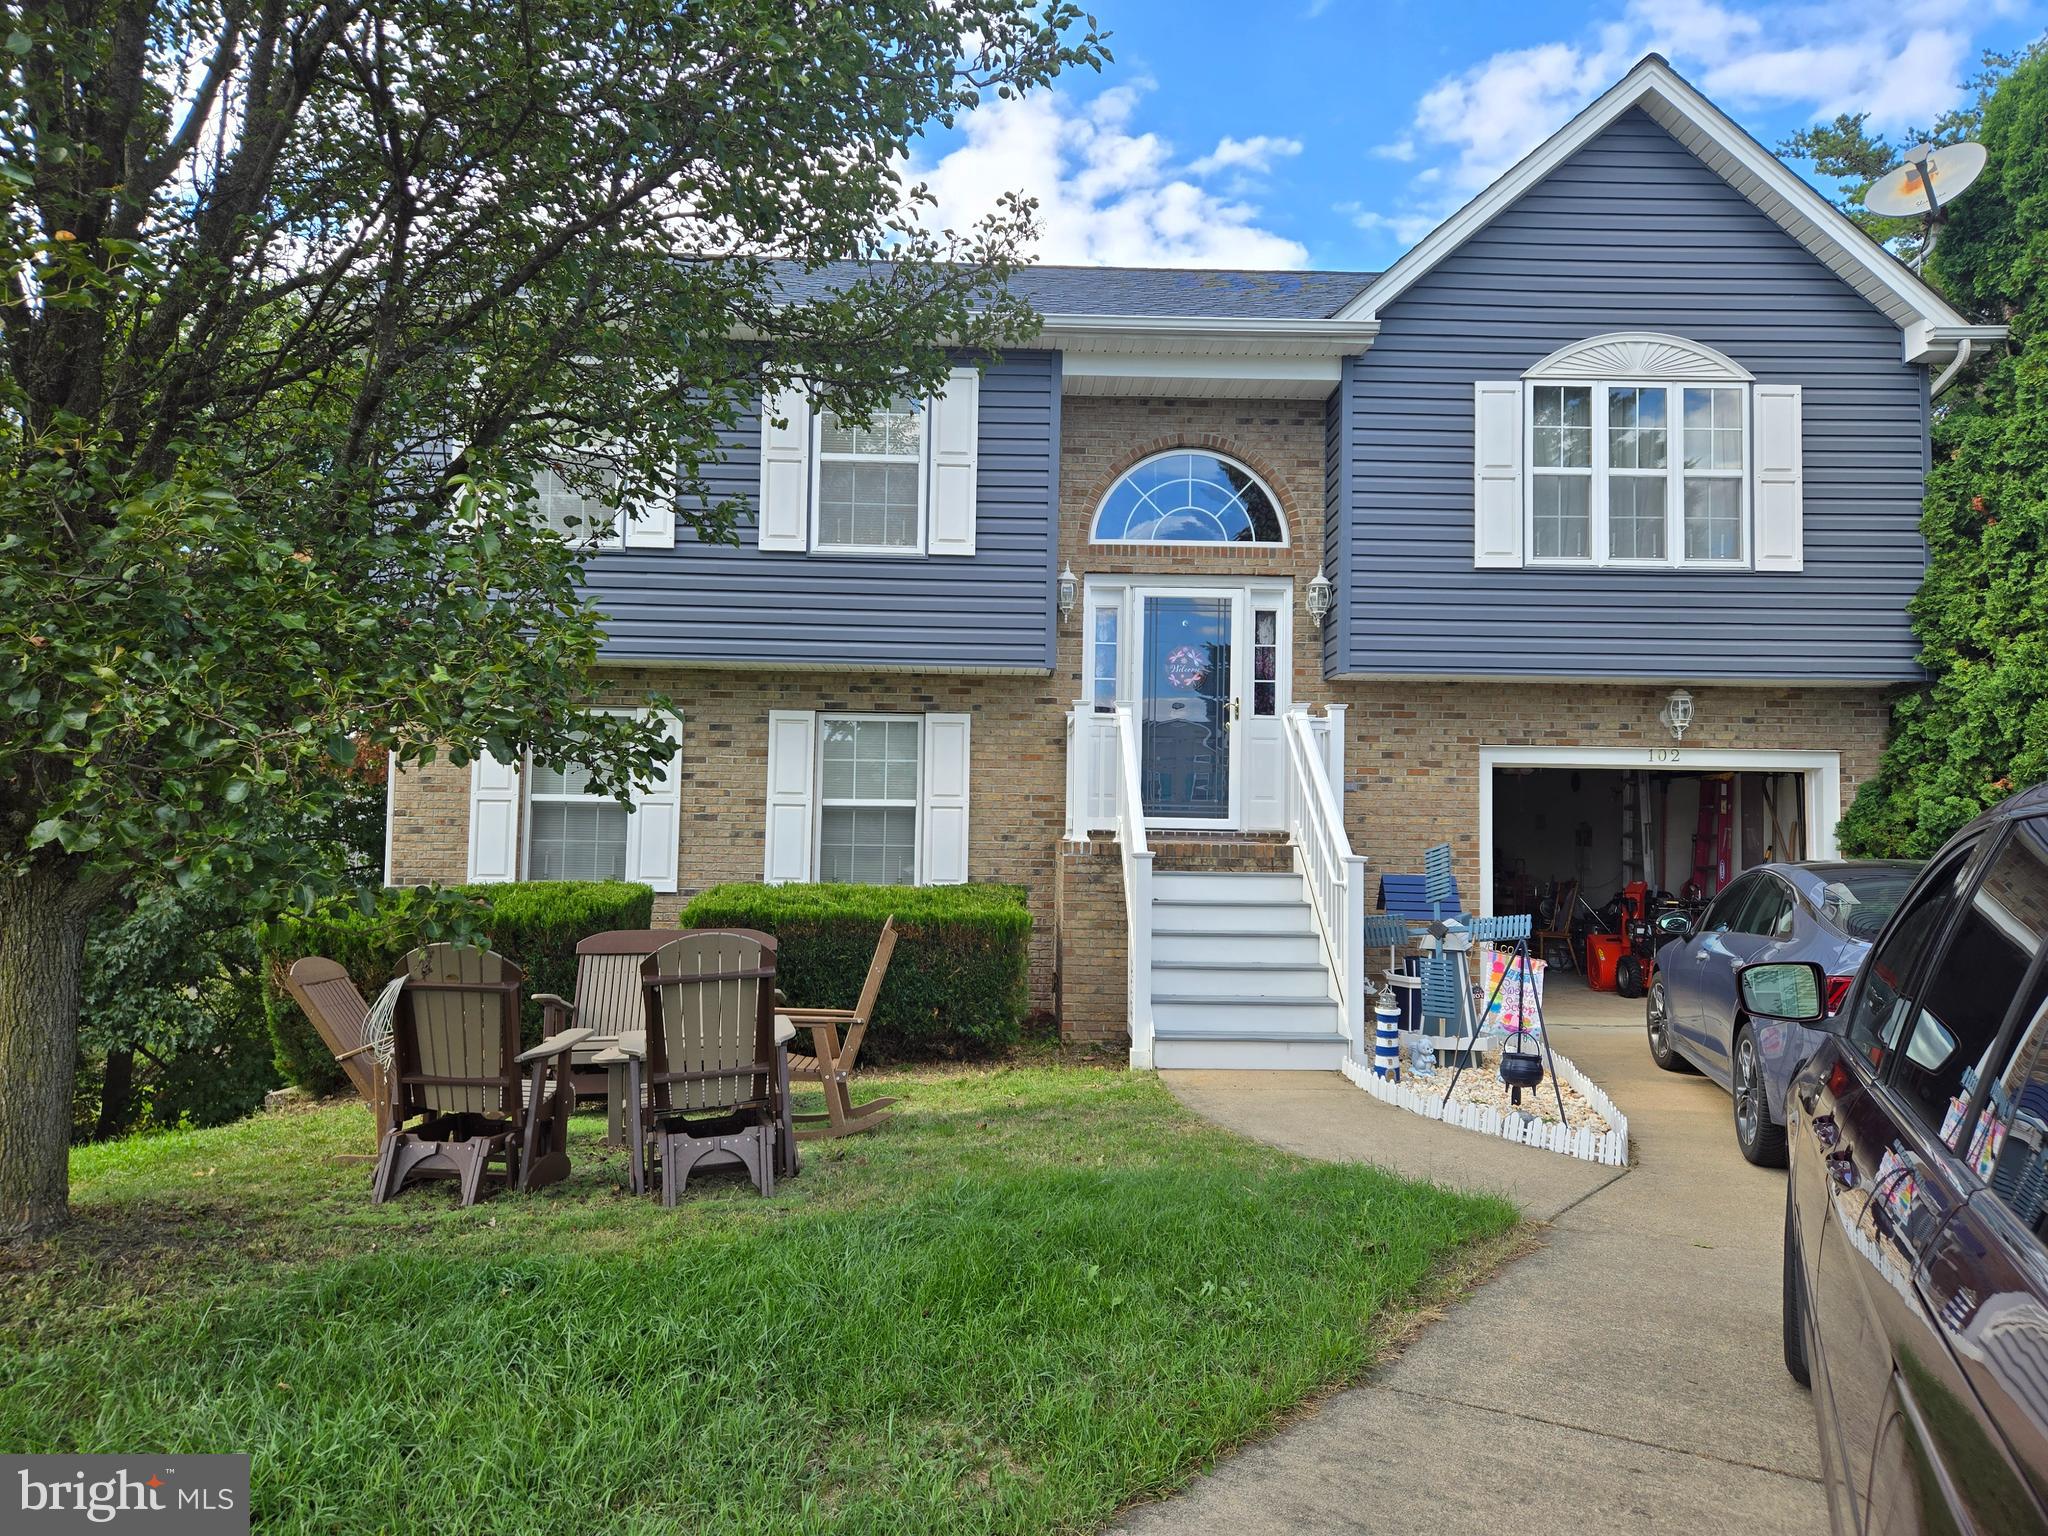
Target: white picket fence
(1610, 1148)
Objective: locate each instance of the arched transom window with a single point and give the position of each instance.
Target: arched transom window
(1187, 496)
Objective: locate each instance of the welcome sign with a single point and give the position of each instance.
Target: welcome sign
(144, 1495)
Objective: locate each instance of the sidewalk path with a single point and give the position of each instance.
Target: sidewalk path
(1624, 1377)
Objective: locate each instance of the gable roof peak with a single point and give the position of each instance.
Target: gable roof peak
(1929, 322)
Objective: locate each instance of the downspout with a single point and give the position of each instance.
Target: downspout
(1955, 366)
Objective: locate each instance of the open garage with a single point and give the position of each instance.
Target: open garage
(1575, 835)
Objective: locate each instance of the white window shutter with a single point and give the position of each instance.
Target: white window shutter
(785, 520)
(942, 860)
(654, 838)
(651, 524)
(955, 428)
(792, 797)
(1780, 477)
(1497, 472)
(493, 820)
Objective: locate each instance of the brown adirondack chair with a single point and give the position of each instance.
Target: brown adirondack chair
(704, 1095)
(608, 997)
(457, 1069)
(832, 1062)
(329, 999)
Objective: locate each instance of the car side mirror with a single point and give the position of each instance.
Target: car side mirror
(1792, 990)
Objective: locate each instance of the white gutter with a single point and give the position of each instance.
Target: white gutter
(1955, 367)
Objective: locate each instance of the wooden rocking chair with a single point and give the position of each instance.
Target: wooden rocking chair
(832, 1064)
(457, 1069)
(329, 999)
(705, 1094)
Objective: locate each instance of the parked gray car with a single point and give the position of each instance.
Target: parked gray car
(1826, 913)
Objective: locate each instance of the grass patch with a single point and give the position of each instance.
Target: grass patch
(1040, 1293)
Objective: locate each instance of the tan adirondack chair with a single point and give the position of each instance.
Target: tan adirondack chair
(457, 1069)
(705, 1093)
(329, 999)
(609, 1002)
(832, 1061)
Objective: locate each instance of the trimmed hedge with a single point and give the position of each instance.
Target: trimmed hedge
(956, 984)
(535, 923)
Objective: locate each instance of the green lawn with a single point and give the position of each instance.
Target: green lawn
(1039, 1293)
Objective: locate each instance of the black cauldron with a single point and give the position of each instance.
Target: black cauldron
(1519, 1070)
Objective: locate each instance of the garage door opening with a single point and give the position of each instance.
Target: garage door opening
(1566, 835)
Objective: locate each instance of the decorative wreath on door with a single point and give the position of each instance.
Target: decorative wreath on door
(1186, 666)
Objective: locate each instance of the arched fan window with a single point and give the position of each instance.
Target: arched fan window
(1186, 496)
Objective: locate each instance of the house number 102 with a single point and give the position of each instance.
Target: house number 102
(1667, 754)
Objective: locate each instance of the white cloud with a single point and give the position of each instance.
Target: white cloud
(1108, 194)
(1903, 66)
(1253, 154)
(1406, 228)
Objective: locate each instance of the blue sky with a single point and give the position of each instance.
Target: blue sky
(1334, 133)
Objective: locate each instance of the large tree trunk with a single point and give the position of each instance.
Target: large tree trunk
(43, 914)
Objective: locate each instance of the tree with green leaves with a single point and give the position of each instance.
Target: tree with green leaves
(301, 299)
(1979, 729)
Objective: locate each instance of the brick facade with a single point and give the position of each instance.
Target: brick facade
(1412, 754)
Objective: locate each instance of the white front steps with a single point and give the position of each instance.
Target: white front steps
(1239, 978)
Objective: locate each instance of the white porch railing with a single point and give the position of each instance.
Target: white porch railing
(1335, 876)
(1104, 794)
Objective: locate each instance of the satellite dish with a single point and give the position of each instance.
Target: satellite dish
(1928, 178)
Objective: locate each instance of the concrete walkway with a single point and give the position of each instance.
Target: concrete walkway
(1624, 1377)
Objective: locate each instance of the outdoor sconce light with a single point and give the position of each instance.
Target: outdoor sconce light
(1318, 598)
(1677, 713)
(1069, 591)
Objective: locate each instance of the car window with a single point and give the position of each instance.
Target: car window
(1728, 905)
(1975, 985)
(1768, 912)
(1860, 902)
(1878, 1013)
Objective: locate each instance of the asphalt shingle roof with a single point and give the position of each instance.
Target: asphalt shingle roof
(1203, 293)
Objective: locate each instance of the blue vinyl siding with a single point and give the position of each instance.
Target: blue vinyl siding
(1631, 233)
(705, 602)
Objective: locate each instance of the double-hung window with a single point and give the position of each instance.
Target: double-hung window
(1714, 466)
(579, 517)
(868, 799)
(869, 496)
(572, 833)
(1638, 473)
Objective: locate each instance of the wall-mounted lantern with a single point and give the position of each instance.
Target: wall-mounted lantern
(1677, 713)
(1318, 598)
(1069, 592)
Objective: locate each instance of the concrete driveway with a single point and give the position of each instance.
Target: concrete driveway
(1623, 1377)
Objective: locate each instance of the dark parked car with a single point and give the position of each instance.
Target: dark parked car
(1824, 912)
(1916, 1280)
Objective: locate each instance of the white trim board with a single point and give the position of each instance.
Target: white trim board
(1721, 144)
(1822, 771)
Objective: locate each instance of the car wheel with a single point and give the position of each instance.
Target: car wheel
(1657, 1018)
(1794, 1308)
(1628, 976)
(1762, 1139)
